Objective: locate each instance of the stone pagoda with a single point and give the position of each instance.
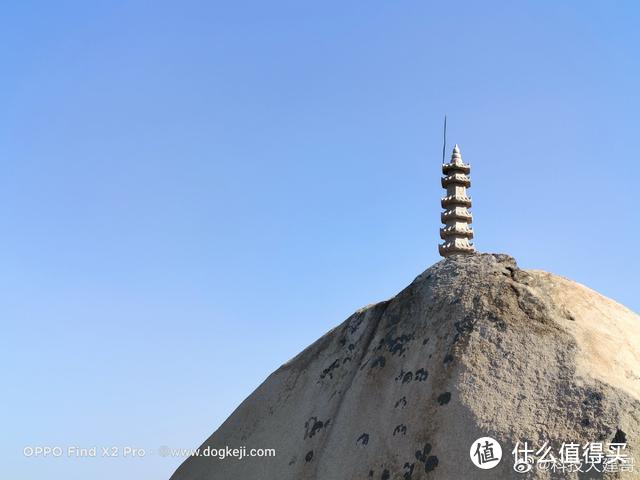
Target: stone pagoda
(456, 233)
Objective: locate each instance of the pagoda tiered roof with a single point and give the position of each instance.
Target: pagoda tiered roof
(456, 213)
(456, 179)
(456, 246)
(454, 167)
(462, 230)
(455, 200)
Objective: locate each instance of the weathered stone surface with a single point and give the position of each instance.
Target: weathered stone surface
(473, 347)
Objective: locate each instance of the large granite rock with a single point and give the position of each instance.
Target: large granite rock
(473, 347)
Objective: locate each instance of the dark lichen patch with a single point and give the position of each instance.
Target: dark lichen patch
(313, 426)
(408, 471)
(592, 398)
(346, 359)
(421, 455)
(406, 377)
(500, 324)
(592, 411)
(363, 439)
(463, 328)
(329, 370)
(619, 437)
(400, 430)
(351, 347)
(385, 475)
(593, 407)
(421, 375)
(370, 473)
(444, 398)
(354, 324)
(379, 362)
(424, 342)
(431, 463)
(401, 403)
(396, 345)
(448, 358)
(309, 456)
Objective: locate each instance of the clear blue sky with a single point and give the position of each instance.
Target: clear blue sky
(192, 192)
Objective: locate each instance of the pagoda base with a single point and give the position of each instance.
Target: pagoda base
(456, 247)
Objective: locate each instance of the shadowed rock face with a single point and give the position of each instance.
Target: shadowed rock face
(473, 347)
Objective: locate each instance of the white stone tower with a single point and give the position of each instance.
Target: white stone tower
(456, 233)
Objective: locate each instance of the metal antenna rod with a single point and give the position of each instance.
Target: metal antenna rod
(444, 139)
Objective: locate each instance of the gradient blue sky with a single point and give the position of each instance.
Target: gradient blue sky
(192, 192)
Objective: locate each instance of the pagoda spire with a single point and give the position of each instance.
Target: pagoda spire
(456, 233)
